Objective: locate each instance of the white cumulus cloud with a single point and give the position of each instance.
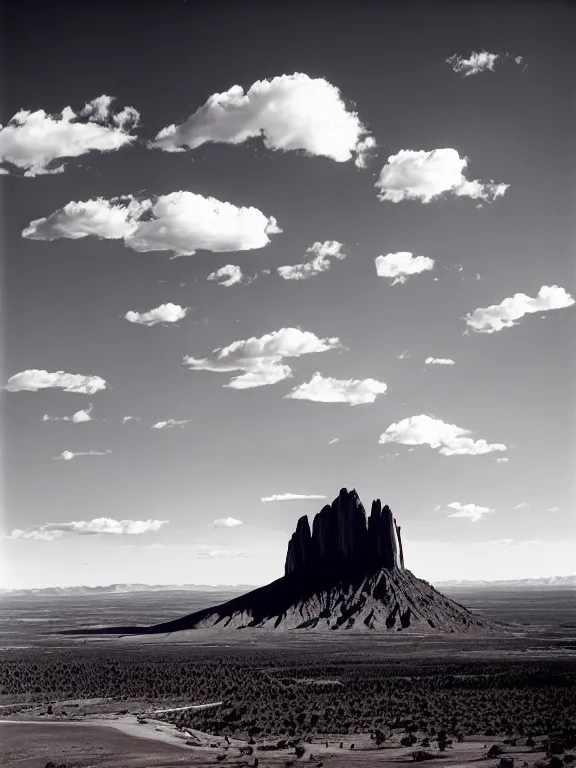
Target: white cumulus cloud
(209, 552)
(319, 261)
(31, 141)
(69, 455)
(502, 460)
(334, 441)
(228, 275)
(83, 415)
(480, 61)
(98, 526)
(33, 380)
(439, 361)
(448, 439)
(170, 423)
(77, 418)
(181, 222)
(165, 313)
(477, 62)
(112, 219)
(290, 112)
(471, 512)
(426, 175)
(509, 311)
(291, 497)
(322, 389)
(225, 522)
(261, 359)
(399, 266)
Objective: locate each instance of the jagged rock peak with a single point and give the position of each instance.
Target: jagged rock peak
(341, 534)
(299, 546)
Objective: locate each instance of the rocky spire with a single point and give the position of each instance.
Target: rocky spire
(341, 534)
(299, 547)
(325, 534)
(381, 534)
(351, 523)
(399, 543)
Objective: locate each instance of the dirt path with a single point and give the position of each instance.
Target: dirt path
(181, 709)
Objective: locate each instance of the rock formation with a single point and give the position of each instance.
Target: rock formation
(397, 527)
(342, 536)
(346, 573)
(299, 547)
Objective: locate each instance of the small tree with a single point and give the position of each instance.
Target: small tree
(379, 737)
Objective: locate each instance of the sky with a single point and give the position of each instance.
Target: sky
(253, 254)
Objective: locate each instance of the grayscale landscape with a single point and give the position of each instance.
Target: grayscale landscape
(500, 689)
(287, 309)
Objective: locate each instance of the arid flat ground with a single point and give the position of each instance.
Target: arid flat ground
(81, 703)
(122, 742)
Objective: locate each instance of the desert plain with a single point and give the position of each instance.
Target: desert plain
(260, 698)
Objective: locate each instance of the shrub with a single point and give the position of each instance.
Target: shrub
(379, 737)
(555, 748)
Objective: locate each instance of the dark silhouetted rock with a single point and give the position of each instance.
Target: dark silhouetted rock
(299, 552)
(341, 535)
(347, 573)
(399, 538)
(339, 532)
(381, 535)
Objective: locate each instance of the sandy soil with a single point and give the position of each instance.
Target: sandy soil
(123, 741)
(33, 745)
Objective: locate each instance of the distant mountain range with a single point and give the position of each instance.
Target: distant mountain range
(555, 582)
(118, 589)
